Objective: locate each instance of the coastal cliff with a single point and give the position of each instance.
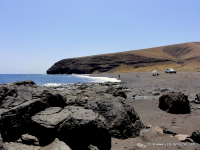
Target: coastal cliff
(182, 57)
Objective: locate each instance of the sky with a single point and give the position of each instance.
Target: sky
(35, 34)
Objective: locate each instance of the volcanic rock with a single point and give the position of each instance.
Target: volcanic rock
(123, 121)
(45, 123)
(84, 127)
(77, 97)
(196, 136)
(167, 131)
(176, 103)
(20, 101)
(35, 115)
(92, 147)
(116, 92)
(197, 99)
(29, 140)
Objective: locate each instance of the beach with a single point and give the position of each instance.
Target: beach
(128, 111)
(148, 89)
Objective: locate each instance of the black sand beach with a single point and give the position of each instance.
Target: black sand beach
(128, 113)
(148, 89)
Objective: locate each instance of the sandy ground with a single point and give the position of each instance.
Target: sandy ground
(141, 83)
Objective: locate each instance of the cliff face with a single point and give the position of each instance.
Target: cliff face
(87, 65)
(174, 55)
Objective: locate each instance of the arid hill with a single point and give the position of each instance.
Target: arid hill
(182, 57)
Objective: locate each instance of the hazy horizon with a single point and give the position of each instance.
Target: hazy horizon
(36, 34)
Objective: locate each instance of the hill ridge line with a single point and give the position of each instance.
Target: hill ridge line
(183, 57)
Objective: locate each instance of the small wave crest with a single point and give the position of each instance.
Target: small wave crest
(52, 84)
(98, 79)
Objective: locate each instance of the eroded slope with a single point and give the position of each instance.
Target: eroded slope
(180, 56)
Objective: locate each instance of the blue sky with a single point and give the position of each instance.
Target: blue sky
(35, 34)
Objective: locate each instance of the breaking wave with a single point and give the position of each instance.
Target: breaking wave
(97, 79)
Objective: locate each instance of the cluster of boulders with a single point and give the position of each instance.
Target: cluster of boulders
(75, 116)
(178, 103)
(108, 100)
(79, 116)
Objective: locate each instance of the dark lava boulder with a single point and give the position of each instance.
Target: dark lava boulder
(84, 127)
(19, 102)
(176, 103)
(123, 121)
(76, 126)
(77, 97)
(45, 124)
(116, 92)
(29, 140)
(197, 99)
(196, 136)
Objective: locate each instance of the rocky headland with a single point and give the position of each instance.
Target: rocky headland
(182, 57)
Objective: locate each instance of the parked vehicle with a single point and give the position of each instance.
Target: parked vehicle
(154, 73)
(170, 70)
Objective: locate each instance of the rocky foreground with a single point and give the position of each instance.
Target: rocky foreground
(99, 116)
(83, 116)
(164, 127)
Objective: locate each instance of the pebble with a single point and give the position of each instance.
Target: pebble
(140, 145)
(148, 126)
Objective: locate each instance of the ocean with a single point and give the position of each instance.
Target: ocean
(53, 80)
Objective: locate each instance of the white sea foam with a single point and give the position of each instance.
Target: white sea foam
(52, 84)
(98, 79)
(87, 78)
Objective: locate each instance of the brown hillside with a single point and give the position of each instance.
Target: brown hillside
(182, 57)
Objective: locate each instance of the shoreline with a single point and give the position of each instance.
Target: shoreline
(54, 80)
(186, 81)
(146, 90)
(142, 93)
(98, 79)
(87, 76)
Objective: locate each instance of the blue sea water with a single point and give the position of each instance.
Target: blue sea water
(53, 80)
